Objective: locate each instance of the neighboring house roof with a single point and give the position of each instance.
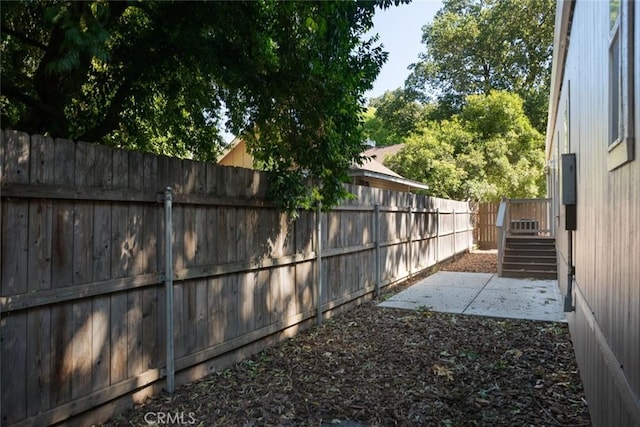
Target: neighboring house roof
(381, 153)
(235, 154)
(373, 167)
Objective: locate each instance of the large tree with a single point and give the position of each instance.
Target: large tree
(394, 116)
(487, 151)
(166, 76)
(475, 46)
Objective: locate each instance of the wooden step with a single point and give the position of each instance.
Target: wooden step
(529, 266)
(533, 274)
(518, 244)
(545, 253)
(532, 239)
(545, 258)
(530, 256)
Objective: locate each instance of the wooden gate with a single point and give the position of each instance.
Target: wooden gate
(484, 232)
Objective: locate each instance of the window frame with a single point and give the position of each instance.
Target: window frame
(620, 135)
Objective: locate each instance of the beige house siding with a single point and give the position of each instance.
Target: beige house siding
(237, 156)
(605, 325)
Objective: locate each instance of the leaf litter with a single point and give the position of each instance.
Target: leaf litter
(374, 366)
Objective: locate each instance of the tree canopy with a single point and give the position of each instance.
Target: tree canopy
(165, 76)
(394, 116)
(476, 46)
(487, 151)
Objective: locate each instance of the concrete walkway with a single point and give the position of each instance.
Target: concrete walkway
(483, 294)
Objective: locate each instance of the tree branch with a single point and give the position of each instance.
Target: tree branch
(13, 92)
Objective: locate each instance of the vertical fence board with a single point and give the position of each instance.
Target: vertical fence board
(101, 342)
(83, 218)
(135, 245)
(190, 317)
(119, 212)
(61, 352)
(118, 338)
(14, 367)
(63, 217)
(40, 216)
(216, 315)
(81, 347)
(178, 319)
(230, 302)
(14, 253)
(15, 214)
(134, 333)
(201, 314)
(246, 284)
(38, 364)
(152, 249)
(62, 274)
(149, 328)
(41, 160)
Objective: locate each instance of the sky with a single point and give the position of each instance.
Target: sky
(400, 30)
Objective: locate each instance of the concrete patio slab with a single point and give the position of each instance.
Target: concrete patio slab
(450, 292)
(483, 294)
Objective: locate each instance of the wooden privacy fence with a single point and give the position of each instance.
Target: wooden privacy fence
(83, 304)
(484, 224)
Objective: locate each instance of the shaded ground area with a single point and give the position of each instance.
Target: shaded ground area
(382, 367)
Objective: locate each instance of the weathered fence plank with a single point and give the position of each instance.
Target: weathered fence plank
(38, 364)
(118, 338)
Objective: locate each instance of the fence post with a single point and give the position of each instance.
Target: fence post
(319, 263)
(437, 235)
(168, 281)
(376, 225)
(454, 233)
(410, 231)
(469, 228)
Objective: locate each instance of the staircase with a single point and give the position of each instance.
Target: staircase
(530, 256)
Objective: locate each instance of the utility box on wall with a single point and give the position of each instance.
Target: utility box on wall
(569, 179)
(569, 190)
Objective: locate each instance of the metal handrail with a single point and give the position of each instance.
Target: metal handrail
(501, 231)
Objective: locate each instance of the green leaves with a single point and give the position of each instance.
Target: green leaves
(166, 77)
(488, 151)
(475, 46)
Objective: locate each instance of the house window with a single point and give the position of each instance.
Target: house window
(621, 84)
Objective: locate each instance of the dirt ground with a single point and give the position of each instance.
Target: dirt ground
(373, 366)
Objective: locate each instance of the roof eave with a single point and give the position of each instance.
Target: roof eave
(564, 12)
(376, 175)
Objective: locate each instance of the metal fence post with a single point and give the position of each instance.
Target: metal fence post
(454, 233)
(437, 235)
(376, 225)
(410, 231)
(319, 263)
(168, 281)
(469, 228)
